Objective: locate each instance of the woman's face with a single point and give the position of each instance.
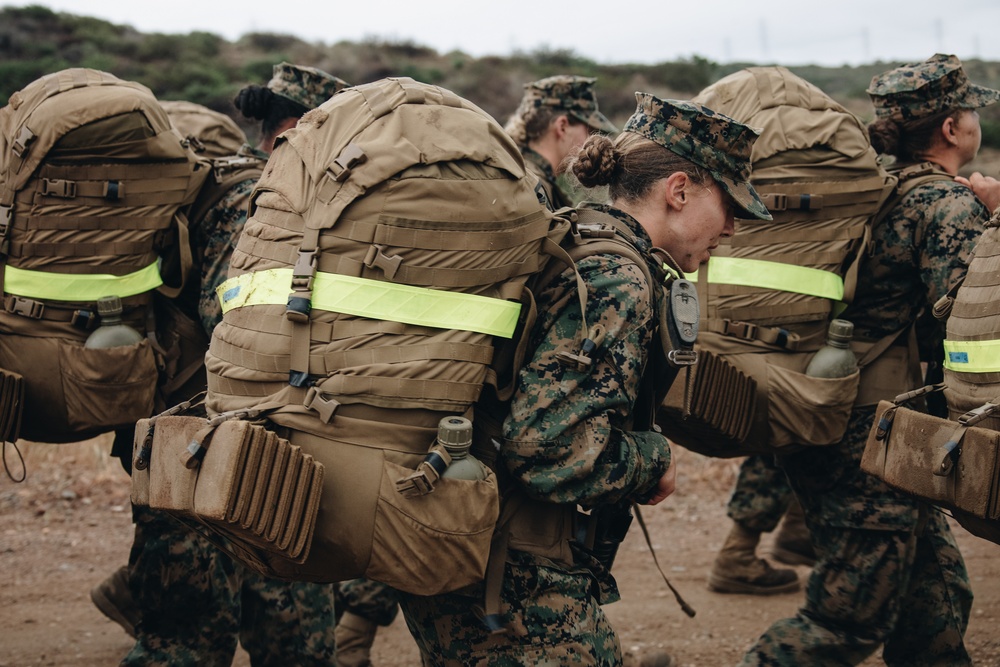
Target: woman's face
(693, 231)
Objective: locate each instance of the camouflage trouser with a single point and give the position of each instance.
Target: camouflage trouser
(551, 614)
(761, 495)
(368, 599)
(196, 603)
(888, 571)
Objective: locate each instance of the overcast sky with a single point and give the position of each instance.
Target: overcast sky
(789, 32)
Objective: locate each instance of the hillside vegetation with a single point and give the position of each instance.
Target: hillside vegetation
(206, 68)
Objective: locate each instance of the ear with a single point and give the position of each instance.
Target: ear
(675, 189)
(949, 131)
(560, 124)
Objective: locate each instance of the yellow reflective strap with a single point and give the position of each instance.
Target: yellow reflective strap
(78, 287)
(378, 300)
(972, 356)
(773, 275)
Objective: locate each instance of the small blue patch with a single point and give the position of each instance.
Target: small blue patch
(230, 294)
(958, 357)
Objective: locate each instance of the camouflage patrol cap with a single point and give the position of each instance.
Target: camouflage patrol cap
(307, 86)
(709, 139)
(923, 89)
(572, 94)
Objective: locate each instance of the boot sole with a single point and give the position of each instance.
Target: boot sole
(789, 557)
(719, 584)
(108, 608)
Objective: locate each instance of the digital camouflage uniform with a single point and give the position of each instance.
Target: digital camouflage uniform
(888, 570)
(573, 95)
(761, 495)
(567, 437)
(196, 602)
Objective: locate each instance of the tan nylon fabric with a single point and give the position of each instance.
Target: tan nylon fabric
(208, 132)
(431, 193)
(95, 178)
(973, 317)
(809, 145)
(818, 174)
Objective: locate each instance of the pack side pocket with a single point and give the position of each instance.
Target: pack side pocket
(434, 543)
(107, 387)
(805, 410)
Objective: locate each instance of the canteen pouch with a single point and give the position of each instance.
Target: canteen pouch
(228, 490)
(424, 539)
(425, 544)
(940, 461)
(73, 390)
(732, 413)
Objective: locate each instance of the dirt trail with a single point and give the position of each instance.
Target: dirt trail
(68, 526)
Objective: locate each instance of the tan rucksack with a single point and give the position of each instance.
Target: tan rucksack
(954, 463)
(92, 182)
(386, 253)
(768, 293)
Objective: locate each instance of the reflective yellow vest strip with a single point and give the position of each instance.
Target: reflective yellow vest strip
(378, 300)
(773, 275)
(50, 286)
(972, 356)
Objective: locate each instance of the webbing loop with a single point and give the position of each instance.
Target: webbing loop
(773, 275)
(972, 356)
(79, 287)
(378, 300)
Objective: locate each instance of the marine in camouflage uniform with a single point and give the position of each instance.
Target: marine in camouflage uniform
(568, 437)
(195, 601)
(543, 101)
(888, 571)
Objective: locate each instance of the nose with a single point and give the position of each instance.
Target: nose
(730, 227)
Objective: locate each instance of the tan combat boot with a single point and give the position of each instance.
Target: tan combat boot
(792, 545)
(355, 636)
(114, 599)
(737, 569)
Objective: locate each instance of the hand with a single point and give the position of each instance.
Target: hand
(986, 188)
(666, 486)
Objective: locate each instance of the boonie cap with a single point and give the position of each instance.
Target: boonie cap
(307, 86)
(709, 139)
(923, 89)
(572, 94)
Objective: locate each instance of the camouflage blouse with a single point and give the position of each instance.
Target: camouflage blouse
(566, 437)
(918, 251)
(214, 240)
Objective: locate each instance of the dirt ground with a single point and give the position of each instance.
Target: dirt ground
(67, 526)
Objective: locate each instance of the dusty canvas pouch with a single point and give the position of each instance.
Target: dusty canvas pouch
(953, 464)
(222, 474)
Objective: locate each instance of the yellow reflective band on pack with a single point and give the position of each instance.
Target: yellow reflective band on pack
(377, 300)
(78, 287)
(773, 275)
(972, 356)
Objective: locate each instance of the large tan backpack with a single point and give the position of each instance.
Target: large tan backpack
(768, 293)
(92, 183)
(954, 463)
(385, 257)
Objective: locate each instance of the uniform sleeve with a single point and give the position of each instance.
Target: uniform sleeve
(216, 237)
(565, 437)
(951, 223)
